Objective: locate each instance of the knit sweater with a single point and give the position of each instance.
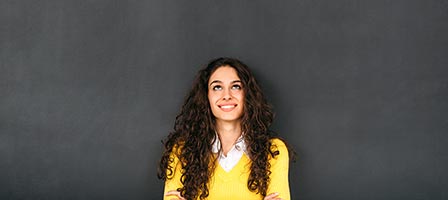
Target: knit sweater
(232, 185)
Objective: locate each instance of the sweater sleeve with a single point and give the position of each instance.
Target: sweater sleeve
(279, 171)
(173, 180)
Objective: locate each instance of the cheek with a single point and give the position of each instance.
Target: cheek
(210, 97)
(210, 100)
(241, 99)
(240, 96)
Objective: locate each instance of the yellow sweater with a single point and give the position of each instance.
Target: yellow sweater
(232, 185)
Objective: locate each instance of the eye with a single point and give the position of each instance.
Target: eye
(217, 88)
(236, 87)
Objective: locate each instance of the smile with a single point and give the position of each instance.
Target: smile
(227, 108)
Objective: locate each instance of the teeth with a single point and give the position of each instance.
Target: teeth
(229, 106)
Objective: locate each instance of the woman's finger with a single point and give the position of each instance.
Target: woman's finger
(174, 193)
(272, 196)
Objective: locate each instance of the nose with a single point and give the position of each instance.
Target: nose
(227, 95)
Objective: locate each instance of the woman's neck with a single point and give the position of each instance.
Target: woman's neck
(228, 133)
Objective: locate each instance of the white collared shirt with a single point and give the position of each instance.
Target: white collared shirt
(233, 156)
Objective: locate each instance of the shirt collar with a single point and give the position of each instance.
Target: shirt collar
(240, 144)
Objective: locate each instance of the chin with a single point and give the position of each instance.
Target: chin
(228, 119)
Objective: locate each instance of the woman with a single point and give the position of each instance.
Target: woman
(221, 146)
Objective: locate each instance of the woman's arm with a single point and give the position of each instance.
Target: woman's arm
(279, 182)
(172, 183)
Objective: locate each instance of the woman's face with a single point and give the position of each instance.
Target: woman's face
(226, 94)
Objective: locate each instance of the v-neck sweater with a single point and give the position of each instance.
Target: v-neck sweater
(232, 185)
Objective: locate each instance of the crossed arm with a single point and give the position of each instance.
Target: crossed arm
(278, 188)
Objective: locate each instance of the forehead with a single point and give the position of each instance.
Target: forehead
(224, 73)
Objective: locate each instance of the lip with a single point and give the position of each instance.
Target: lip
(227, 107)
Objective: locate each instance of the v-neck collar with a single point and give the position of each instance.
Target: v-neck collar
(233, 156)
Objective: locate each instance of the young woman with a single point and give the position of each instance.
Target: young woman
(221, 146)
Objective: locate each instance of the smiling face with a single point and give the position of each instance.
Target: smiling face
(226, 94)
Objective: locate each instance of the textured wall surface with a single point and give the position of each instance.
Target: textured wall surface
(89, 88)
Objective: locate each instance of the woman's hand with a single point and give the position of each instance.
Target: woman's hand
(272, 196)
(174, 193)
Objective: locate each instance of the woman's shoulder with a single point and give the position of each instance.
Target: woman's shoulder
(278, 144)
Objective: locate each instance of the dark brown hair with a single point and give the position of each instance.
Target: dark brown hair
(194, 132)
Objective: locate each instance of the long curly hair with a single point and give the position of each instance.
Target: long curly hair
(194, 133)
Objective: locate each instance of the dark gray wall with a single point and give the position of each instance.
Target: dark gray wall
(89, 88)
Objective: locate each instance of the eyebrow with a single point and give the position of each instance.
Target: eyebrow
(218, 81)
